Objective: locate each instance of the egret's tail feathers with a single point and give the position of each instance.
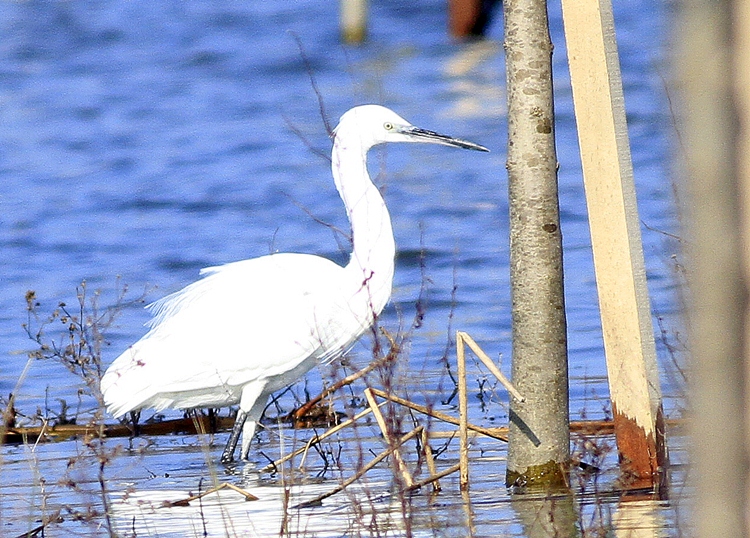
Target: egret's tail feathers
(125, 385)
(118, 399)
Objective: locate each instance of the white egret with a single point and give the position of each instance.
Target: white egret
(252, 327)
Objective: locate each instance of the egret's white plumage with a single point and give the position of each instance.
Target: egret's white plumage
(252, 327)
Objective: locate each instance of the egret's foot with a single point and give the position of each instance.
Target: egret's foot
(228, 457)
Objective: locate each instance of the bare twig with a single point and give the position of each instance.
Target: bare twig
(427, 449)
(313, 83)
(224, 485)
(435, 477)
(316, 439)
(348, 380)
(46, 520)
(463, 413)
(377, 459)
(495, 433)
(462, 336)
(400, 464)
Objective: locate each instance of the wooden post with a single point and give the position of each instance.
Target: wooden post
(709, 135)
(470, 18)
(462, 17)
(353, 21)
(539, 438)
(616, 240)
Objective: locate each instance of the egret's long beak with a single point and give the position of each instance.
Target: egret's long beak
(423, 135)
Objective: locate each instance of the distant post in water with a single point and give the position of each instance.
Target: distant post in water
(616, 240)
(539, 437)
(469, 18)
(353, 21)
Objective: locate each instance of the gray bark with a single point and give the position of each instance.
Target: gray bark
(539, 439)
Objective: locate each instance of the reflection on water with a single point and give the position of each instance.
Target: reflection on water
(639, 519)
(544, 516)
(273, 514)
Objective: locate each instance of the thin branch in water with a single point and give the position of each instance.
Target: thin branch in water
(337, 232)
(662, 232)
(224, 485)
(419, 306)
(319, 152)
(348, 380)
(450, 342)
(308, 67)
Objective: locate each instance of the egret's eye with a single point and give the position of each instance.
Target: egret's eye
(388, 126)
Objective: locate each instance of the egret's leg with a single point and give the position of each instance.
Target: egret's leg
(228, 455)
(251, 407)
(248, 432)
(253, 416)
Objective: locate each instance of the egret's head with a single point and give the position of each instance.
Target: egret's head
(375, 124)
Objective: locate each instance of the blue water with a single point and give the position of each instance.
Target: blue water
(140, 142)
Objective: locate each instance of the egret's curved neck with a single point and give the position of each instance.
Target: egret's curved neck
(372, 235)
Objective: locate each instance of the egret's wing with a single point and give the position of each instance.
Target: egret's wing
(169, 305)
(244, 321)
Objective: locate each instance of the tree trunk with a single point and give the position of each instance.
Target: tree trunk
(539, 439)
